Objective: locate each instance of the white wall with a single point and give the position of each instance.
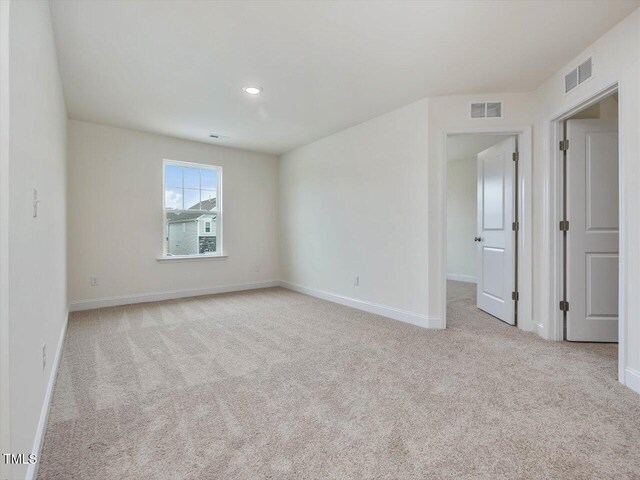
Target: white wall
(115, 186)
(355, 203)
(37, 262)
(461, 219)
(5, 371)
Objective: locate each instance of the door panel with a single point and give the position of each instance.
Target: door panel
(592, 239)
(602, 298)
(602, 181)
(492, 267)
(495, 250)
(493, 193)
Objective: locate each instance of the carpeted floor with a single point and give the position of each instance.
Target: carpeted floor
(271, 384)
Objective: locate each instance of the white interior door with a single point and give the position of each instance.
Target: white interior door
(592, 239)
(495, 240)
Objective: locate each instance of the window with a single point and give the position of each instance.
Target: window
(192, 209)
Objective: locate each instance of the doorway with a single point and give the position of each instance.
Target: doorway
(482, 221)
(590, 223)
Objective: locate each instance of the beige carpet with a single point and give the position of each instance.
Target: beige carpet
(272, 384)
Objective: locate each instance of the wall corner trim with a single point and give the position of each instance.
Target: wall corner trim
(418, 319)
(632, 379)
(116, 301)
(38, 442)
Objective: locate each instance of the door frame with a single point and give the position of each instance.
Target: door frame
(553, 214)
(525, 214)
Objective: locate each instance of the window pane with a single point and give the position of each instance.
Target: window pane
(172, 176)
(208, 200)
(186, 233)
(173, 198)
(181, 233)
(209, 179)
(191, 177)
(191, 199)
(207, 239)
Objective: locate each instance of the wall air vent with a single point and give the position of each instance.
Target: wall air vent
(570, 80)
(585, 70)
(486, 110)
(578, 75)
(478, 110)
(494, 109)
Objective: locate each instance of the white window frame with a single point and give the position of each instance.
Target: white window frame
(217, 210)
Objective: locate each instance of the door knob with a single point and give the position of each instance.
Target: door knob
(477, 239)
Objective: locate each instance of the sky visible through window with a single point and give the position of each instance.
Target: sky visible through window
(189, 187)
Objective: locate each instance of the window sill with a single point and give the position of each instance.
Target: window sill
(189, 258)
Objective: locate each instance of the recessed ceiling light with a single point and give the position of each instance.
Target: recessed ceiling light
(252, 90)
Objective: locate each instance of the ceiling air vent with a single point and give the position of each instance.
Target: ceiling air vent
(578, 75)
(486, 110)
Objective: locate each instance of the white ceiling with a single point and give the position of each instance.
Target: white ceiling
(178, 67)
(463, 147)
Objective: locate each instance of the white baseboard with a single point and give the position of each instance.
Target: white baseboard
(389, 312)
(38, 442)
(461, 278)
(156, 297)
(632, 379)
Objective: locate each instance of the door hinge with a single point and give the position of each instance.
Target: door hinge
(516, 156)
(515, 296)
(564, 145)
(564, 225)
(515, 226)
(564, 306)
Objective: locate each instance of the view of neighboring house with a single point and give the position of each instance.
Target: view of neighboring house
(192, 233)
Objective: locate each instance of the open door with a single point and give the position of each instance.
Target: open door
(495, 255)
(591, 272)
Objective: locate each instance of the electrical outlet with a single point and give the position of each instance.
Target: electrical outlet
(356, 280)
(257, 268)
(44, 356)
(95, 281)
